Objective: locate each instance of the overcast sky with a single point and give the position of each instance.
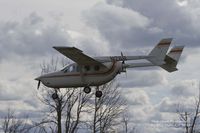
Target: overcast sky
(29, 29)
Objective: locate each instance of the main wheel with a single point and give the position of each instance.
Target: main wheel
(98, 94)
(87, 90)
(54, 96)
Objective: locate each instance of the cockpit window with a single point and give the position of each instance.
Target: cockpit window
(65, 69)
(70, 68)
(78, 68)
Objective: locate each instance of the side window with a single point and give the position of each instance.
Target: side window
(73, 68)
(70, 68)
(96, 68)
(78, 68)
(66, 70)
(87, 68)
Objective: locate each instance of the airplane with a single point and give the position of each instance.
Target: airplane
(95, 71)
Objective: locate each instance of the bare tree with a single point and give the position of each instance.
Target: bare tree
(107, 109)
(125, 121)
(79, 103)
(12, 124)
(189, 119)
(64, 111)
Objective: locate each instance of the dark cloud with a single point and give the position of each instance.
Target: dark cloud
(122, 27)
(32, 102)
(171, 105)
(158, 19)
(142, 79)
(183, 90)
(6, 94)
(30, 113)
(173, 19)
(30, 37)
(125, 24)
(139, 97)
(168, 105)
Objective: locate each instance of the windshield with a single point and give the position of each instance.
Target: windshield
(64, 68)
(69, 68)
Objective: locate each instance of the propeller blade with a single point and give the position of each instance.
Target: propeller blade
(123, 61)
(38, 85)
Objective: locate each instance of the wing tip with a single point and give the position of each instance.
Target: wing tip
(64, 47)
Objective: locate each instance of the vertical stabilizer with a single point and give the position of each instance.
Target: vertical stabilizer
(172, 58)
(159, 52)
(176, 52)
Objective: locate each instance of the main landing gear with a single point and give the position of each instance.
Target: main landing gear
(87, 90)
(98, 93)
(55, 95)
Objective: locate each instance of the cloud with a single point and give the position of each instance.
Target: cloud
(122, 27)
(139, 97)
(34, 37)
(30, 37)
(117, 25)
(143, 79)
(171, 105)
(184, 89)
(17, 93)
(146, 23)
(168, 105)
(106, 14)
(6, 93)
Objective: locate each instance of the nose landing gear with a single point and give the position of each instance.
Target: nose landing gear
(55, 95)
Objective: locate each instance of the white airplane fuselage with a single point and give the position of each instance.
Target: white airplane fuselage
(85, 76)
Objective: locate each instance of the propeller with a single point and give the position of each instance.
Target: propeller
(123, 63)
(123, 58)
(38, 84)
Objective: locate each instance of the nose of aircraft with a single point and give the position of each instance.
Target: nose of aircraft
(39, 80)
(41, 77)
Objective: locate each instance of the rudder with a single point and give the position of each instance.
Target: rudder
(159, 52)
(172, 59)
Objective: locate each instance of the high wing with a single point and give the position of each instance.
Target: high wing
(78, 56)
